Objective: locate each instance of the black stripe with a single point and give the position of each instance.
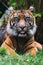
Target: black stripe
(27, 45)
(8, 45)
(27, 49)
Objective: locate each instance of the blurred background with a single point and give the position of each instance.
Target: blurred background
(22, 4)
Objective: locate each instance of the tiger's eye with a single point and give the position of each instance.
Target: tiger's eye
(16, 19)
(27, 19)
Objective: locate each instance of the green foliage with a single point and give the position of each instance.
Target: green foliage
(2, 51)
(32, 1)
(16, 4)
(26, 59)
(37, 14)
(12, 3)
(19, 3)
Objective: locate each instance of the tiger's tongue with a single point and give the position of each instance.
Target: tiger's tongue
(22, 32)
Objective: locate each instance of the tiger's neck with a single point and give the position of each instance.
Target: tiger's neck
(23, 42)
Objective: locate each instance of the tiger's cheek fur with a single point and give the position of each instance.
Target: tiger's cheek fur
(10, 31)
(33, 30)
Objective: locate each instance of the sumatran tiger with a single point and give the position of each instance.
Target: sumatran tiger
(21, 27)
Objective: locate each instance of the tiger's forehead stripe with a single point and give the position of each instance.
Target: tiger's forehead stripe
(21, 15)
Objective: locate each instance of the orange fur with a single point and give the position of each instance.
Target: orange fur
(8, 45)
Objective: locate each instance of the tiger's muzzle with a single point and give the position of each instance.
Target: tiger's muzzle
(22, 28)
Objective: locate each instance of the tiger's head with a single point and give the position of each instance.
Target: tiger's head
(21, 24)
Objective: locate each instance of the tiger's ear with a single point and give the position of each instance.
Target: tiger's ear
(32, 9)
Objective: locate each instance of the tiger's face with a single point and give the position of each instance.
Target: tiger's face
(21, 24)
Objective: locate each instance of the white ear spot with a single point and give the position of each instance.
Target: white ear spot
(31, 8)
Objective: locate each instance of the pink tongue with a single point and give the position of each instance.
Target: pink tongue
(22, 32)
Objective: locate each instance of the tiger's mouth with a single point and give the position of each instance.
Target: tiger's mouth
(22, 34)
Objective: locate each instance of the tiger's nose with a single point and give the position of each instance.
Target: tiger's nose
(22, 24)
(22, 27)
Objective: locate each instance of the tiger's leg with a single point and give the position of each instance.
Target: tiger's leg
(8, 45)
(38, 45)
(9, 50)
(32, 51)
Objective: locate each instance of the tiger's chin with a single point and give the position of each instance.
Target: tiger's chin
(22, 35)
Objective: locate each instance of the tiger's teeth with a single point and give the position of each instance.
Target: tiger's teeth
(22, 35)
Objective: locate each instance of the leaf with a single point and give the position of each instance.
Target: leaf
(2, 51)
(14, 5)
(37, 14)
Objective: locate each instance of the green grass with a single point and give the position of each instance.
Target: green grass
(26, 59)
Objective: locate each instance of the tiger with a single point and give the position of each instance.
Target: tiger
(21, 28)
